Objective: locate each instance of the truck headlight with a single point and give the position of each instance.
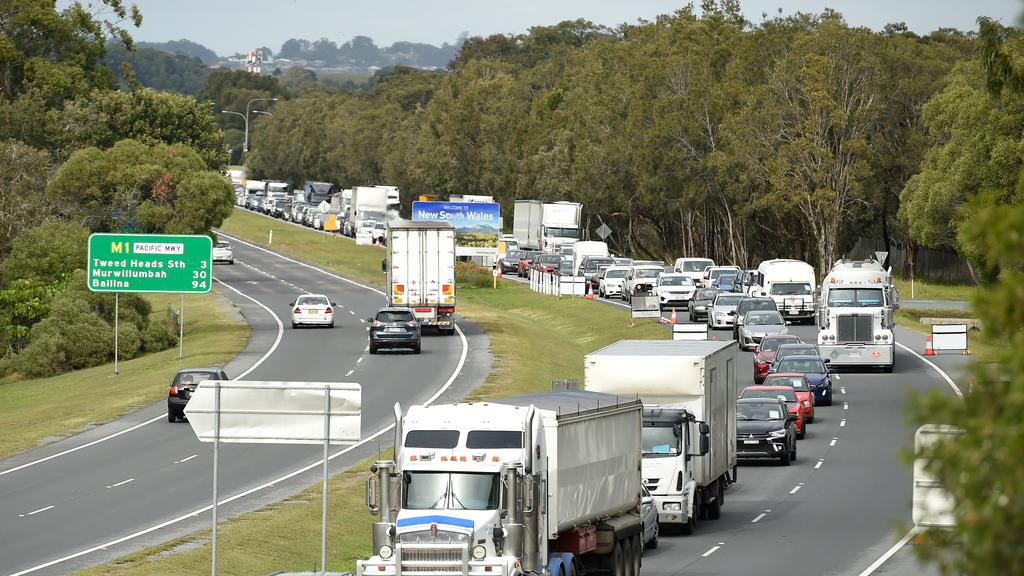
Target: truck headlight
(777, 433)
(385, 552)
(479, 552)
(672, 506)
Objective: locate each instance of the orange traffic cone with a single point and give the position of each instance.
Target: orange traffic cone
(673, 314)
(928, 350)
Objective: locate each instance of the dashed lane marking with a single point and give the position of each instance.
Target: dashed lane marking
(796, 488)
(833, 442)
(121, 483)
(34, 512)
(758, 518)
(842, 423)
(186, 459)
(712, 550)
(820, 462)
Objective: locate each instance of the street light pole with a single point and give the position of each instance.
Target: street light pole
(245, 147)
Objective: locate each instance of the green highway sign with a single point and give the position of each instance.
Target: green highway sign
(150, 263)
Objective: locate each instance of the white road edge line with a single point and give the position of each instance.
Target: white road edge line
(956, 389)
(277, 342)
(317, 464)
(121, 483)
(758, 518)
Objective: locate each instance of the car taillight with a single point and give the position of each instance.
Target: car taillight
(298, 310)
(173, 391)
(329, 310)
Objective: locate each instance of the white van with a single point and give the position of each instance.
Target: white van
(791, 284)
(693, 267)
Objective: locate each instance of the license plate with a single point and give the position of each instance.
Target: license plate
(854, 353)
(751, 441)
(312, 311)
(394, 330)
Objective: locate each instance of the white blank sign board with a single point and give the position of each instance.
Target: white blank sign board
(260, 412)
(689, 331)
(949, 336)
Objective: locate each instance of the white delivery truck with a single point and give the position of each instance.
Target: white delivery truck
(586, 248)
(856, 314)
(790, 283)
(932, 506)
(541, 484)
(688, 388)
(420, 265)
(546, 226)
(368, 203)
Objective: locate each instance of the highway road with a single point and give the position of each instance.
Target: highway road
(71, 504)
(844, 502)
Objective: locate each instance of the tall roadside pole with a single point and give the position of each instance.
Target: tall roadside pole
(141, 263)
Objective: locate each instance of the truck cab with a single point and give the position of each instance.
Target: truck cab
(856, 315)
(671, 438)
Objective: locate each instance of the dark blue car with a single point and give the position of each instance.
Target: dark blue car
(724, 282)
(814, 369)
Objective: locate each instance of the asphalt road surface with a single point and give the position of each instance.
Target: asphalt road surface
(66, 506)
(844, 502)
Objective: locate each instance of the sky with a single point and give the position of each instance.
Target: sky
(231, 26)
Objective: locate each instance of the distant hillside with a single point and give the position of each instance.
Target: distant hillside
(185, 47)
(158, 69)
(362, 53)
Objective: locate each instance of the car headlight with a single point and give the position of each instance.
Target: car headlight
(672, 506)
(385, 552)
(777, 433)
(479, 552)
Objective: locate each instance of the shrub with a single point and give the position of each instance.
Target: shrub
(129, 341)
(43, 357)
(86, 340)
(471, 274)
(158, 336)
(47, 253)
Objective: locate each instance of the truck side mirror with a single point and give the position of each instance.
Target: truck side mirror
(384, 265)
(705, 444)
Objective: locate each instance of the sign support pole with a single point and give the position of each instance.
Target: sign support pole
(117, 308)
(327, 442)
(216, 457)
(181, 330)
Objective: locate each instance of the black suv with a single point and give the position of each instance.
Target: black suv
(394, 328)
(701, 302)
(765, 429)
(184, 384)
(746, 305)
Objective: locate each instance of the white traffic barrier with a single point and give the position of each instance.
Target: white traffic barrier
(949, 337)
(690, 331)
(572, 285)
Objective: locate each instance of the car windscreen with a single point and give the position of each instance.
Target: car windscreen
(647, 272)
(223, 245)
(676, 281)
(550, 258)
(312, 301)
(727, 299)
(395, 316)
(800, 365)
(595, 263)
(432, 439)
(716, 273)
(494, 439)
(724, 279)
(791, 289)
(795, 382)
(191, 378)
(512, 255)
(748, 305)
(786, 395)
(772, 344)
(696, 265)
(615, 274)
(791, 350)
(759, 411)
(705, 295)
(855, 297)
(762, 318)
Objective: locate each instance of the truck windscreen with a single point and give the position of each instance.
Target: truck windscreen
(561, 232)
(791, 289)
(855, 297)
(452, 491)
(661, 440)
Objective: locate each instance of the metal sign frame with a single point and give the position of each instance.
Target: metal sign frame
(645, 307)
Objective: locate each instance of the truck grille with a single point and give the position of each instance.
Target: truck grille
(433, 559)
(853, 329)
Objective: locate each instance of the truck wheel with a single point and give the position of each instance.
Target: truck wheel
(636, 550)
(690, 526)
(715, 507)
(618, 560)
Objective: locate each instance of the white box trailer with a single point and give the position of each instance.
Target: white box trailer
(540, 484)
(526, 224)
(420, 266)
(695, 382)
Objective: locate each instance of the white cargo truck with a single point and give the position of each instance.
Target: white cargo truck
(546, 226)
(856, 315)
(790, 283)
(586, 248)
(540, 484)
(420, 265)
(368, 203)
(689, 393)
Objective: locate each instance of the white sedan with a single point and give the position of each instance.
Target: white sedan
(674, 289)
(313, 310)
(222, 253)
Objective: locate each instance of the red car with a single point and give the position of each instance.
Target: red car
(785, 393)
(764, 354)
(800, 385)
(547, 262)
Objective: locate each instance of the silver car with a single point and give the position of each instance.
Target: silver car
(722, 312)
(760, 323)
(649, 519)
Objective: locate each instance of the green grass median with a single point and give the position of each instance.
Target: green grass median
(35, 411)
(534, 340)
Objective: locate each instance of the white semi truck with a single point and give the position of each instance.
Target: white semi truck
(540, 484)
(689, 393)
(790, 283)
(420, 265)
(546, 226)
(856, 315)
(368, 203)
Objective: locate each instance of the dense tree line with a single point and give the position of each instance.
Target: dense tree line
(686, 135)
(157, 69)
(185, 48)
(362, 52)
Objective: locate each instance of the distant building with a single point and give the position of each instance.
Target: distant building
(254, 62)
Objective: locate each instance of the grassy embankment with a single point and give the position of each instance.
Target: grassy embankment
(534, 339)
(924, 290)
(32, 411)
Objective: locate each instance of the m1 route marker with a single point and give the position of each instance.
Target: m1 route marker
(168, 263)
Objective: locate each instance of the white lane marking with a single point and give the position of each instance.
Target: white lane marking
(797, 488)
(34, 512)
(843, 390)
(818, 465)
(121, 483)
(367, 349)
(888, 554)
(842, 423)
(363, 320)
(956, 389)
(352, 312)
(293, 261)
(846, 405)
(833, 442)
(186, 459)
(759, 516)
(359, 360)
(314, 465)
(349, 373)
(280, 329)
(712, 550)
